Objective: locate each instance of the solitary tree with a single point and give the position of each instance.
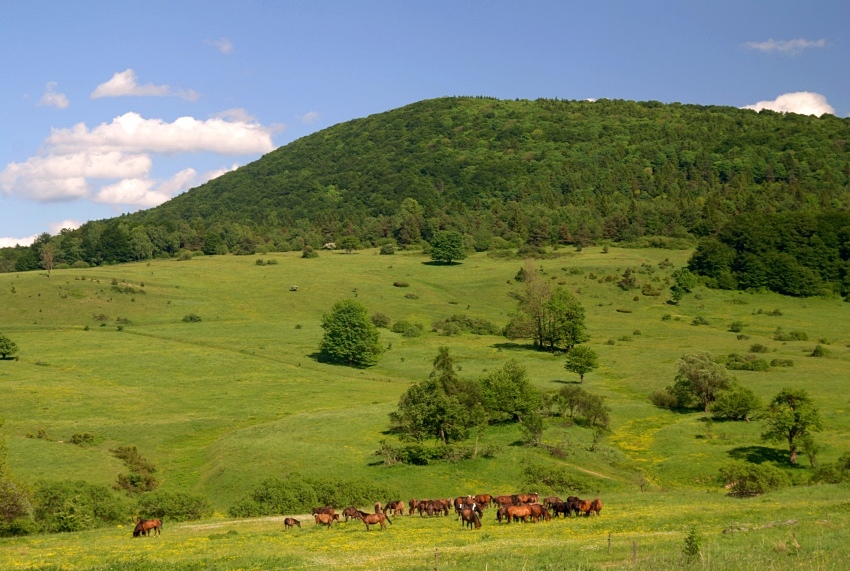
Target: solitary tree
(790, 417)
(699, 378)
(48, 255)
(348, 243)
(447, 247)
(350, 336)
(581, 360)
(7, 346)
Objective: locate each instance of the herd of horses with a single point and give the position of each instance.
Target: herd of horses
(469, 510)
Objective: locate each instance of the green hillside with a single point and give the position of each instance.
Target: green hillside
(221, 404)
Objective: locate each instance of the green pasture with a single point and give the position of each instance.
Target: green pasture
(223, 403)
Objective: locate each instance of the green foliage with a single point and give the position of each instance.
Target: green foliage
(75, 506)
(140, 478)
(308, 252)
(736, 403)
(736, 362)
(387, 250)
(381, 320)
(781, 335)
(745, 479)
(790, 416)
(7, 346)
(685, 283)
(820, 351)
(581, 360)
(350, 337)
(556, 479)
(837, 473)
(693, 544)
(348, 243)
(459, 322)
(508, 393)
(736, 326)
(699, 380)
(174, 506)
(192, 318)
(447, 246)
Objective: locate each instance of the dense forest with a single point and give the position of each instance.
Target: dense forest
(510, 174)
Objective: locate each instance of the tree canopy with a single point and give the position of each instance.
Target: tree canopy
(350, 336)
(447, 246)
(790, 417)
(7, 346)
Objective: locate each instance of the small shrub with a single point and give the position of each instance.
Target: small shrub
(699, 320)
(269, 262)
(260, 262)
(758, 348)
(819, 351)
(309, 252)
(82, 438)
(401, 284)
(745, 479)
(623, 310)
(736, 403)
(666, 317)
(401, 326)
(636, 332)
(412, 332)
(610, 342)
(780, 335)
(664, 399)
(742, 337)
(192, 318)
(736, 326)
(411, 296)
(735, 362)
(693, 544)
(387, 250)
(381, 320)
(782, 363)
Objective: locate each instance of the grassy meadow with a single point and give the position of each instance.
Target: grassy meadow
(219, 405)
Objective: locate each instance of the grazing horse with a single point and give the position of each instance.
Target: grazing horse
(145, 526)
(573, 505)
(550, 501)
(324, 510)
(526, 499)
(289, 522)
(326, 519)
(413, 503)
(538, 511)
(350, 512)
(596, 506)
(470, 517)
(372, 519)
(394, 507)
(502, 512)
(378, 508)
(560, 508)
(584, 506)
(518, 512)
(504, 500)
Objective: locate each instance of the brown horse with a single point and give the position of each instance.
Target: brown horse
(394, 507)
(372, 519)
(469, 518)
(145, 526)
(596, 506)
(502, 513)
(585, 507)
(412, 503)
(504, 500)
(326, 519)
(550, 501)
(289, 522)
(484, 500)
(323, 510)
(518, 512)
(538, 511)
(378, 508)
(350, 512)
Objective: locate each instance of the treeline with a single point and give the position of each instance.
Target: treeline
(502, 173)
(792, 253)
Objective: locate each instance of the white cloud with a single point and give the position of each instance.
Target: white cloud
(123, 84)
(132, 133)
(238, 114)
(802, 102)
(309, 117)
(53, 99)
(56, 227)
(112, 162)
(223, 45)
(12, 242)
(790, 47)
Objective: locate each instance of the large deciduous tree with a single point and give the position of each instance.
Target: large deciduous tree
(700, 379)
(447, 247)
(7, 346)
(790, 417)
(350, 336)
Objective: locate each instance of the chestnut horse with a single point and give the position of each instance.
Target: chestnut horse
(372, 519)
(289, 522)
(470, 517)
(326, 519)
(144, 527)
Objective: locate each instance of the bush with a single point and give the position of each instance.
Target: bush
(736, 326)
(735, 362)
(387, 250)
(780, 335)
(412, 332)
(837, 473)
(176, 506)
(557, 479)
(401, 284)
(737, 403)
(75, 506)
(411, 296)
(401, 326)
(782, 363)
(461, 322)
(192, 318)
(381, 320)
(82, 438)
(819, 351)
(664, 399)
(744, 479)
(79, 264)
(758, 348)
(309, 252)
(699, 320)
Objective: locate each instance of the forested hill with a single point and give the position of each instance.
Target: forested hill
(502, 172)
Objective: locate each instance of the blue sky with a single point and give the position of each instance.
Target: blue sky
(112, 106)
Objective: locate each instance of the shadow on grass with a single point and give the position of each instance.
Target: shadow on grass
(508, 346)
(436, 263)
(759, 454)
(567, 382)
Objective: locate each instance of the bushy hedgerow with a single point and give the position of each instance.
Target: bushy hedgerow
(76, 505)
(174, 506)
(735, 362)
(298, 494)
(460, 322)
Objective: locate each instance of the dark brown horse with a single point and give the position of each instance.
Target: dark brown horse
(483, 500)
(145, 526)
(394, 507)
(538, 511)
(289, 522)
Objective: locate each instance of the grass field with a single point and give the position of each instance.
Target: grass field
(221, 404)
